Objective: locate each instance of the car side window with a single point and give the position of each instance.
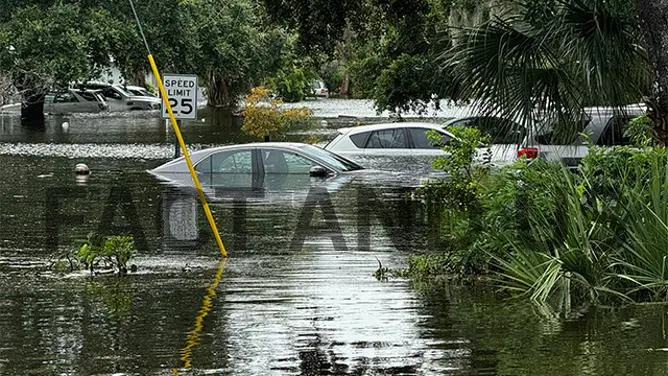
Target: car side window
(388, 139)
(66, 97)
(281, 162)
(360, 139)
(231, 169)
(421, 138)
(613, 134)
(239, 162)
(229, 162)
(90, 97)
(111, 93)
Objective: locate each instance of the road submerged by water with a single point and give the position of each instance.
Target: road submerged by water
(270, 309)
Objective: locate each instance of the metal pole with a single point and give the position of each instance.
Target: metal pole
(179, 137)
(176, 141)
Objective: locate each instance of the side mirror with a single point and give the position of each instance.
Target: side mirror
(318, 171)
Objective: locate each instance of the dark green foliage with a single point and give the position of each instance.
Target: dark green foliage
(411, 36)
(547, 234)
(292, 85)
(456, 198)
(405, 86)
(52, 46)
(551, 58)
(293, 80)
(319, 23)
(223, 42)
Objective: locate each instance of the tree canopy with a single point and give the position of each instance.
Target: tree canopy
(54, 43)
(511, 55)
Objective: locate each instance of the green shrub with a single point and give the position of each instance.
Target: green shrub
(113, 252)
(293, 84)
(641, 263)
(549, 235)
(607, 241)
(456, 198)
(563, 255)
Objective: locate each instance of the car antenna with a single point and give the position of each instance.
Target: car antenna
(177, 132)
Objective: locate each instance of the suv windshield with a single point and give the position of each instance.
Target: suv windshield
(561, 132)
(331, 158)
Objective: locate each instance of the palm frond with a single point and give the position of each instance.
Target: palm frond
(587, 53)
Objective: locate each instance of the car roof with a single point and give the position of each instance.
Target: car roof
(252, 145)
(133, 87)
(381, 126)
(199, 155)
(632, 109)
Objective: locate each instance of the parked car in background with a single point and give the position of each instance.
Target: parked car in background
(121, 100)
(604, 126)
(320, 89)
(74, 100)
(389, 139)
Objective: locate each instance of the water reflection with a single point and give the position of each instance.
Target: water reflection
(193, 337)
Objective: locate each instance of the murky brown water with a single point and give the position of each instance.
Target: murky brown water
(272, 308)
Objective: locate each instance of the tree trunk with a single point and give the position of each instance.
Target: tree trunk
(139, 79)
(654, 20)
(219, 93)
(343, 48)
(32, 109)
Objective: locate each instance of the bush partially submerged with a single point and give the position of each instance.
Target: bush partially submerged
(264, 118)
(99, 254)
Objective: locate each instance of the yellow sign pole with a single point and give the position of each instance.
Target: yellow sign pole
(186, 155)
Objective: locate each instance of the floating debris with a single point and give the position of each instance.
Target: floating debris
(81, 169)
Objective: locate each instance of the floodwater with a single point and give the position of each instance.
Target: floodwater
(297, 296)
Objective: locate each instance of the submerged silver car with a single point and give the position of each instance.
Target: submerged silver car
(276, 166)
(73, 100)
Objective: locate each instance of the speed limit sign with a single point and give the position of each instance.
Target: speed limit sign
(182, 95)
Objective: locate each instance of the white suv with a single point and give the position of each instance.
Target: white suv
(605, 126)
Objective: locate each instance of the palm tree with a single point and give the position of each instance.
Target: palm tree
(553, 57)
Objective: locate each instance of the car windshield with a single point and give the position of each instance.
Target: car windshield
(335, 160)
